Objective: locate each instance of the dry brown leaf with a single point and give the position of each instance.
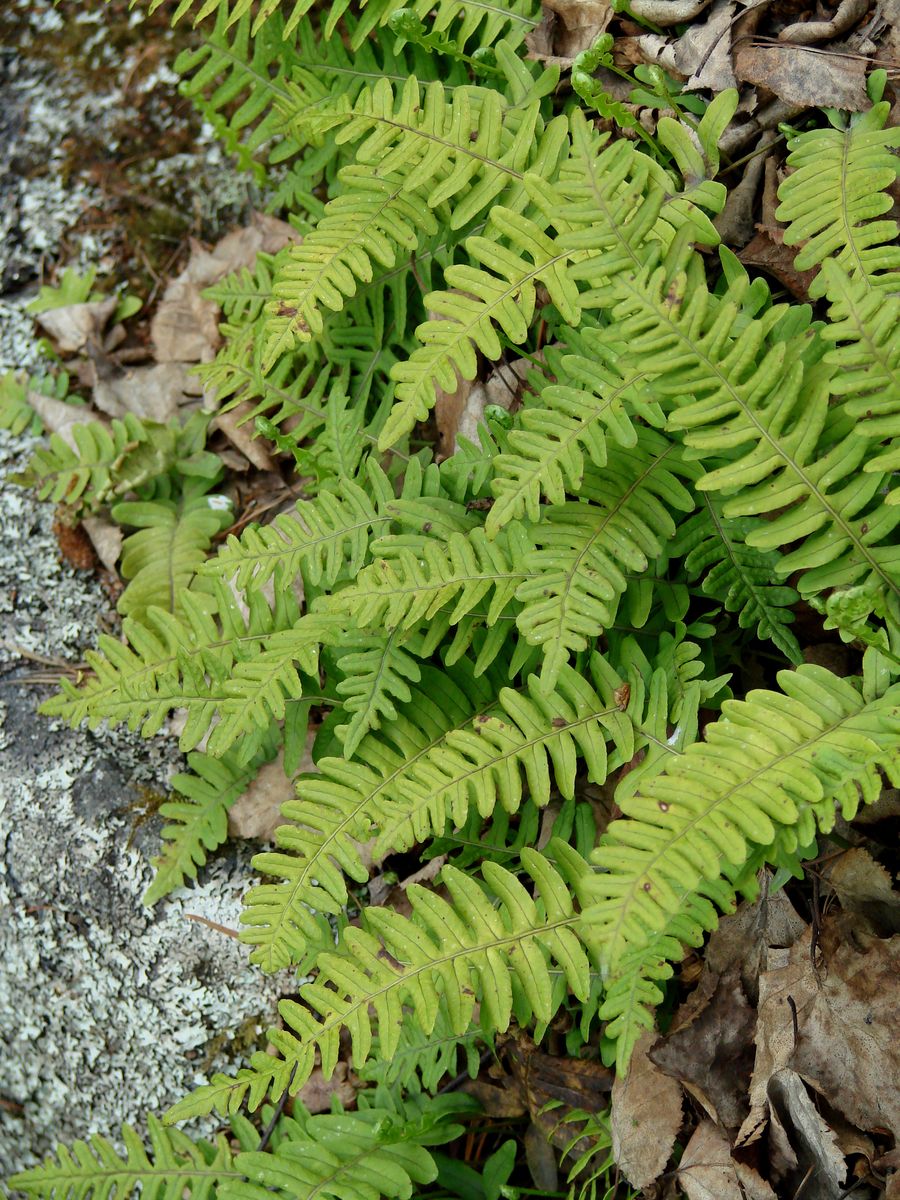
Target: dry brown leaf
(812, 1141)
(768, 253)
(59, 417)
(152, 393)
(703, 52)
(645, 1117)
(707, 1170)
(499, 1102)
(582, 1083)
(667, 12)
(106, 538)
(257, 813)
(239, 431)
(73, 325)
(541, 1159)
(185, 327)
(580, 24)
(848, 1047)
(318, 1091)
(804, 33)
(448, 411)
(712, 1056)
(865, 891)
(736, 223)
(835, 1025)
(809, 78)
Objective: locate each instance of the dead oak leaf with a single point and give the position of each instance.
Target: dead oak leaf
(834, 1024)
(808, 78)
(708, 1172)
(72, 325)
(712, 1055)
(317, 1093)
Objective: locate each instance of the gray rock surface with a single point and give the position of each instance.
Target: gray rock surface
(107, 1009)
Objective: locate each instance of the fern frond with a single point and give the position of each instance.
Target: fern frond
(408, 586)
(500, 291)
(835, 194)
(173, 539)
(94, 1170)
(491, 944)
(171, 662)
(584, 547)
(866, 355)
(347, 1156)
(107, 458)
(458, 747)
(322, 538)
(570, 420)
(738, 575)
(199, 822)
(335, 812)
(236, 81)
(365, 225)
(378, 1151)
(489, 20)
(774, 760)
(377, 672)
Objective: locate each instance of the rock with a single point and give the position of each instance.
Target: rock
(107, 1009)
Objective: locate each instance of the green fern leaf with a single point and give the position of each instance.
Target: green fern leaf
(377, 672)
(374, 217)
(173, 539)
(94, 1170)
(866, 356)
(470, 948)
(774, 760)
(544, 452)
(106, 459)
(458, 746)
(488, 20)
(199, 822)
(400, 591)
(584, 548)
(835, 193)
(500, 291)
(324, 537)
(173, 662)
(738, 575)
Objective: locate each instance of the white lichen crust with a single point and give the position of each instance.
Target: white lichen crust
(107, 1009)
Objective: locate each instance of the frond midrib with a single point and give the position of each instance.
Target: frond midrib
(612, 933)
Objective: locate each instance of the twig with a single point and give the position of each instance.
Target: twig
(279, 1109)
(232, 933)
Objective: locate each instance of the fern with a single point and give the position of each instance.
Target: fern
(171, 662)
(172, 541)
(582, 547)
(488, 20)
(555, 607)
(738, 575)
(106, 460)
(199, 822)
(504, 950)
(378, 1151)
(775, 759)
(96, 1171)
(835, 195)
